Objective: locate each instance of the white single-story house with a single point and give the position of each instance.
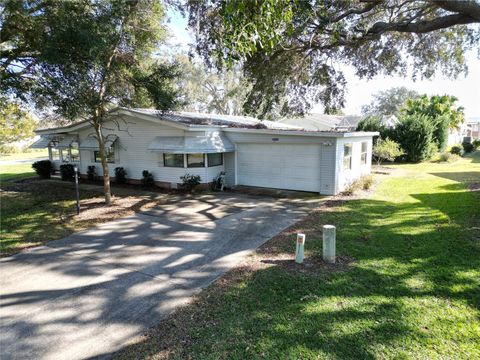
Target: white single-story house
(251, 152)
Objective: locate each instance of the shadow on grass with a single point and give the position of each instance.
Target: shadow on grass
(417, 274)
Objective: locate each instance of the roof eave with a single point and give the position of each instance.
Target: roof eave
(305, 133)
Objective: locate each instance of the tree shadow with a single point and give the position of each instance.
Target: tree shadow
(117, 279)
(417, 271)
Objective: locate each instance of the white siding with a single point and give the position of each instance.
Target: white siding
(280, 166)
(345, 177)
(229, 162)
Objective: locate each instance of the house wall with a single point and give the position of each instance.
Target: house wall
(131, 153)
(324, 160)
(344, 177)
(229, 162)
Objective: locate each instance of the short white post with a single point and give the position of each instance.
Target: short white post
(329, 243)
(299, 252)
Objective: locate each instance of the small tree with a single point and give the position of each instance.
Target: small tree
(80, 59)
(386, 150)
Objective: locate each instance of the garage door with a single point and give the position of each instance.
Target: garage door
(279, 166)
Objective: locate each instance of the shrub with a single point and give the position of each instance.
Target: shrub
(67, 172)
(120, 175)
(476, 143)
(189, 182)
(414, 133)
(352, 188)
(457, 150)
(147, 179)
(366, 182)
(448, 157)
(468, 147)
(43, 168)
(386, 150)
(91, 173)
(374, 123)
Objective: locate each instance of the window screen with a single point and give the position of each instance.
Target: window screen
(173, 160)
(195, 160)
(215, 159)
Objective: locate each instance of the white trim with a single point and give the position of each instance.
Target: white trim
(236, 164)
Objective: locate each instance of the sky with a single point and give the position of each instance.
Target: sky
(359, 91)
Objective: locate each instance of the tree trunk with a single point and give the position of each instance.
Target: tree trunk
(103, 159)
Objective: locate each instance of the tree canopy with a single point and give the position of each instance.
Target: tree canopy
(209, 90)
(78, 59)
(389, 102)
(293, 50)
(15, 123)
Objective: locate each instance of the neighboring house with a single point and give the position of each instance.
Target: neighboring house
(250, 151)
(472, 130)
(389, 121)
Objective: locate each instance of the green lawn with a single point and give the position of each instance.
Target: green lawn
(413, 291)
(14, 172)
(31, 154)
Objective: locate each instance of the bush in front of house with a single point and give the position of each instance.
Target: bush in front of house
(468, 147)
(366, 182)
(189, 182)
(448, 157)
(457, 150)
(363, 183)
(120, 175)
(43, 168)
(386, 150)
(147, 179)
(67, 172)
(414, 133)
(91, 172)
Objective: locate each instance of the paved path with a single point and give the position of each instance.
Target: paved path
(88, 294)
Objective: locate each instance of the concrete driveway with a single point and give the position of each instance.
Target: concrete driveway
(88, 294)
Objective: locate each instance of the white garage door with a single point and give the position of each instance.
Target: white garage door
(279, 166)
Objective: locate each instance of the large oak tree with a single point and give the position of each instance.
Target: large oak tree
(292, 50)
(79, 58)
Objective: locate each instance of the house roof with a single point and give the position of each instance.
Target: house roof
(324, 122)
(196, 121)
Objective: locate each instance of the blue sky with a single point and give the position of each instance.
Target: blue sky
(466, 88)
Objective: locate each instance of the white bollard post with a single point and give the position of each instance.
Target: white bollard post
(299, 252)
(329, 243)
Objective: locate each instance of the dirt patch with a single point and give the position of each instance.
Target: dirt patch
(313, 265)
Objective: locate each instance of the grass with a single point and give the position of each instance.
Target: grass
(30, 154)
(413, 291)
(14, 172)
(37, 211)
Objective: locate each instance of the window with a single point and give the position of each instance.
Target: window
(364, 152)
(109, 152)
(215, 159)
(65, 154)
(195, 160)
(347, 156)
(55, 154)
(173, 160)
(74, 152)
